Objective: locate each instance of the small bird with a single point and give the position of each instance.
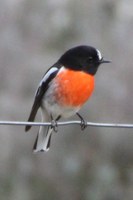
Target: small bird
(63, 90)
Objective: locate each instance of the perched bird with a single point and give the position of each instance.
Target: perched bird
(64, 88)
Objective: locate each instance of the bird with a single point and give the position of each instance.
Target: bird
(63, 90)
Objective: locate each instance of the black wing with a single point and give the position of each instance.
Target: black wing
(50, 74)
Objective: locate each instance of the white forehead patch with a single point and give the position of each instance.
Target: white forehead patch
(99, 54)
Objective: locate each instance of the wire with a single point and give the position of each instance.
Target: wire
(65, 123)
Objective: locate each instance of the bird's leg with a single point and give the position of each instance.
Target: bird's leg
(54, 124)
(83, 122)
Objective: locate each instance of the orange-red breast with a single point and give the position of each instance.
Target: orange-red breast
(64, 88)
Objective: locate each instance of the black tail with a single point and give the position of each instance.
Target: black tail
(32, 115)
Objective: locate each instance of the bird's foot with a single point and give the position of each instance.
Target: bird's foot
(54, 125)
(83, 122)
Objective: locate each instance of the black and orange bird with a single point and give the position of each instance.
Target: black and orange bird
(64, 89)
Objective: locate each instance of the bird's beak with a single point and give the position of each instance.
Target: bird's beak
(104, 61)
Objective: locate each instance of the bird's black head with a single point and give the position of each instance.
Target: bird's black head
(84, 58)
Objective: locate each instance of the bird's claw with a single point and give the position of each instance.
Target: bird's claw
(83, 124)
(54, 125)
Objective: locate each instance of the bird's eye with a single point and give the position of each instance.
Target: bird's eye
(90, 59)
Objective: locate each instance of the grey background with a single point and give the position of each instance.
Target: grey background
(96, 164)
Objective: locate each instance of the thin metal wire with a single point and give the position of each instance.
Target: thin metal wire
(65, 123)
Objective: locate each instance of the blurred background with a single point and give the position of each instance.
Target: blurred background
(96, 164)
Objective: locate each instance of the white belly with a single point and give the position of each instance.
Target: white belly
(54, 109)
